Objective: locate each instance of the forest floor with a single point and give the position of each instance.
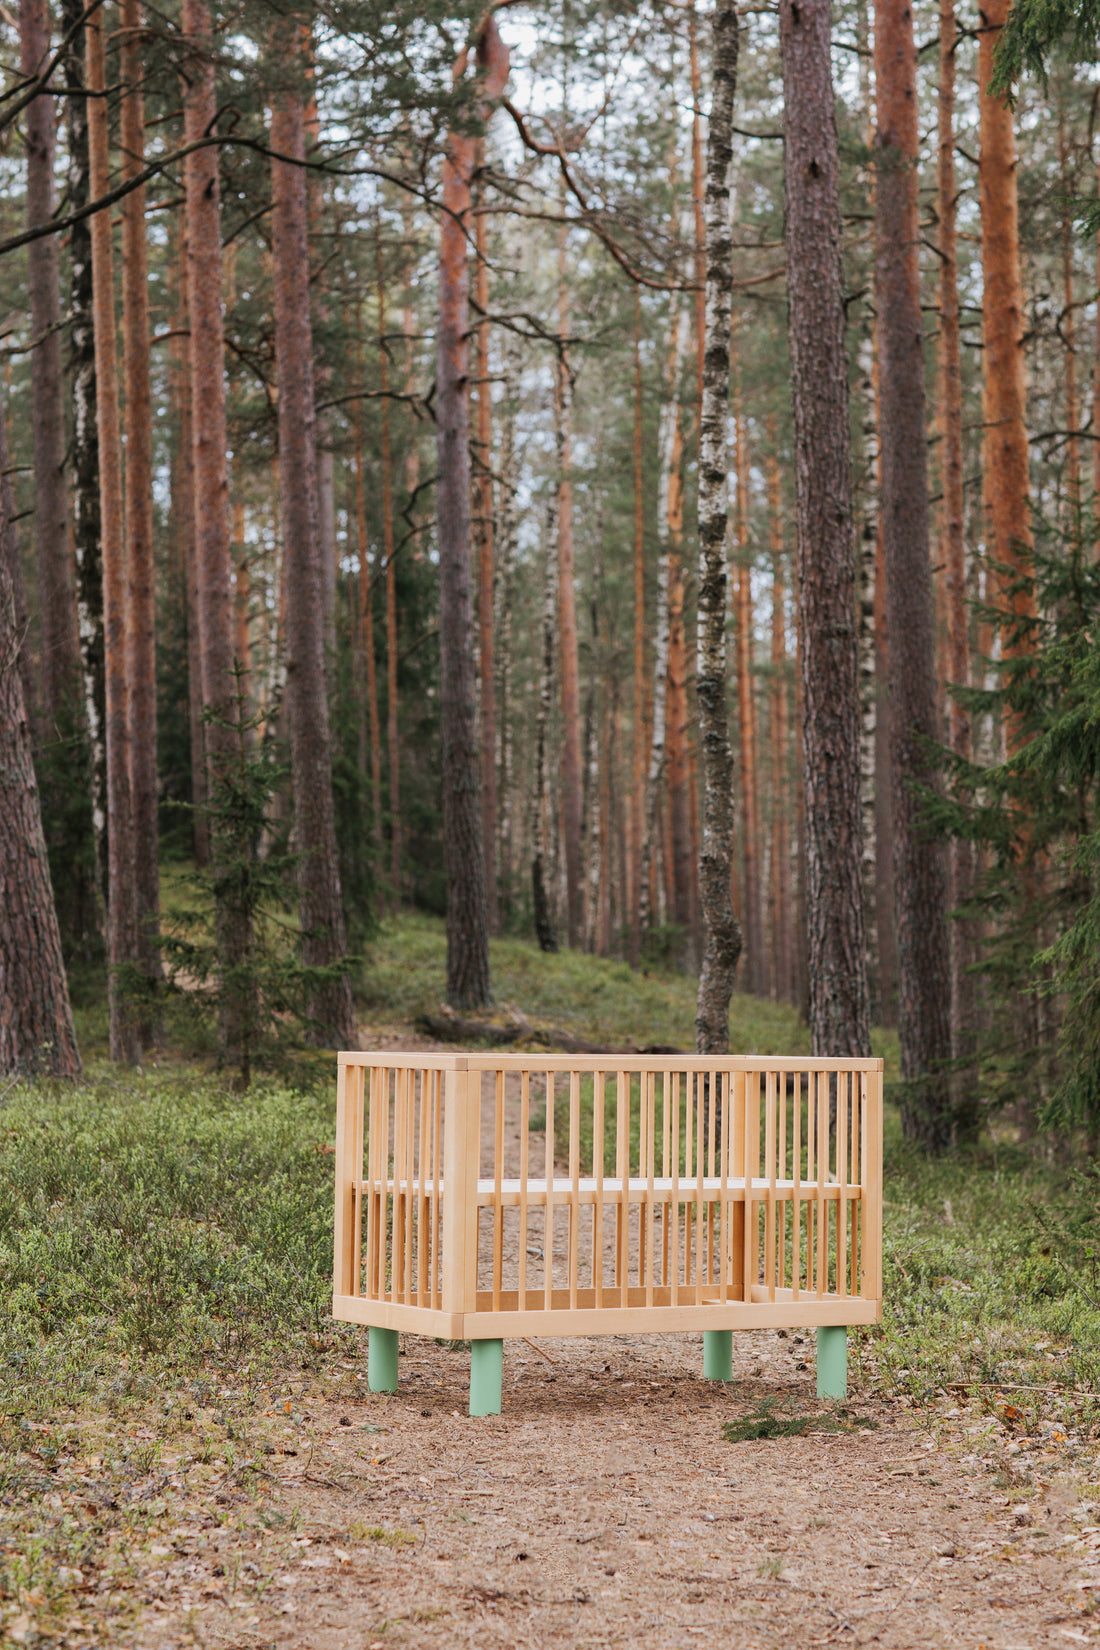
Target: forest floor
(189, 1455)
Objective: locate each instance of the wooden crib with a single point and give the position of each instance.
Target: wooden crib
(481, 1196)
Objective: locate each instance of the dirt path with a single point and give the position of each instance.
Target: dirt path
(605, 1507)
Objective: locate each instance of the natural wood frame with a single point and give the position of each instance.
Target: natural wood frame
(715, 1250)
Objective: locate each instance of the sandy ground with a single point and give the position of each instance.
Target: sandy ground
(605, 1507)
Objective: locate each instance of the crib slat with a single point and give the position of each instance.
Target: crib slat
(718, 1088)
(622, 1171)
(842, 1180)
(548, 1155)
(575, 1181)
(822, 1171)
(422, 1184)
(796, 1194)
(498, 1174)
(385, 1223)
(651, 1156)
(673, 1211)
(524, 1172)
(597, 1171)
(700, 1165)
(437, 1166)
(771, 1148)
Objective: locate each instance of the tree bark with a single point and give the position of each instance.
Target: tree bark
(393, 754)
(320, 907)
(36, 1022)
(125, 1041)
(210, 474)
(569, 666)
(1008, 536)
(639, 736)
(953, 547)
(1068, 329)
(483, 535)
(85, 444)
(468, 982)
(60, 657)
(540, 894)
(722, 932)
(838, 1006)
(370, 760)
(919, 881)
(752, 906)
(140, 570)
(183, 508)
(782, 981)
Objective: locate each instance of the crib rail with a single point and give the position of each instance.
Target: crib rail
(493, 1195)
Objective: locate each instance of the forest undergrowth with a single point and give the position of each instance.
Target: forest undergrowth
(165, 1276)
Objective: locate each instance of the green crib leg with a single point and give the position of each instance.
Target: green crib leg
(718, 1354)
(832, 1362)
(382, 1360)
(486, 1375)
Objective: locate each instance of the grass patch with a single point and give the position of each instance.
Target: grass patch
(769, 1421)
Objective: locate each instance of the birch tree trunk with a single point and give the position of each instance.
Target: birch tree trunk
(140, 570)
(84, 455)
(468, 982)
(125, 1041)
(838, 1006)
(919, 883)
(36, 1022)
(722, 933)
(319, 900)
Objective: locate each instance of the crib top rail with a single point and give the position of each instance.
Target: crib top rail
(417, 1060)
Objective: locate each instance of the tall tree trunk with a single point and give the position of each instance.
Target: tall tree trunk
(483, 535)
(140, 571)
(325, 459)
(540, 856)
(1005, 448)
(639, 736)
(320, 907)
(919, 883)
(468, 983)
(393, 755)
(1069, 332)
(125, 1042)
(838, 1009)
(953, 547)
(752, 908)
(60, 658)
(183, 512)
(85, 443)
(782, 982)
(36, 1022)
(370, 761)
(569, 668)
(213, 562)
(721, 929)
(507, 856)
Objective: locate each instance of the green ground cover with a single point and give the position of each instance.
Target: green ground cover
(164, 1243)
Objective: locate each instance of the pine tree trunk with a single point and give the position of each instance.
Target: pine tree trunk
(1005, 448)
(320, 907)
(569, 667)
(722, 933)
(468, 983)
(1068, 330)
(752, 908)
(370, 759)
(507, 857)
(125, 1042)
(782, 981)
(60, 657)
(919, 882)
(953, 548)
(634, 892)
(838, 1007)
(36, 1022)
(483, 536)
(183, 515)
(213, 561)
(540, 802)
(392, 750)
(85, 444)
(140, 571)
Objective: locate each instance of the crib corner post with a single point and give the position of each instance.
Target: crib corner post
(486, 1377)
(718, 1354)
(381, 1360)
(832, 1362)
